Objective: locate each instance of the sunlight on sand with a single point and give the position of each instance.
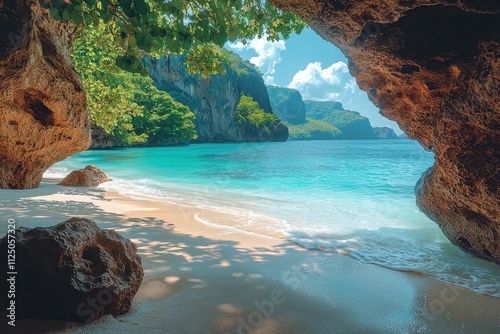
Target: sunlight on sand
(199, 279)
(171, 279)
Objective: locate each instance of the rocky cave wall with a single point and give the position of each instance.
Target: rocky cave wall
(433, 66)
(43, 110)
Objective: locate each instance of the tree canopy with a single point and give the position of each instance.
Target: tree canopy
(113, 35)
(248, 112)
(313, 129)
(350, 123)
(159, 26)
(127, 106)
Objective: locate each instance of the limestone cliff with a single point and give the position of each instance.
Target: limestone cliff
(287, 104)
(350, 123)
(43, 111)
(433, 66)
(385, 133)
(213, 100)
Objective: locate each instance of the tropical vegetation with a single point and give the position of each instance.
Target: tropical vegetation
(127, 106)
(113, 35)
(177, 26)
(313, 129)
(248, 112)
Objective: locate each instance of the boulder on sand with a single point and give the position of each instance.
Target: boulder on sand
(72, 271)
(90, 176)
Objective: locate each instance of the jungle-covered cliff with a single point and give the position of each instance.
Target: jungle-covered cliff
(287, 103)
(317, 120)
(214, 99)
(350, 123)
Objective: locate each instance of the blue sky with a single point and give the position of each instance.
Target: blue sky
(313, 66)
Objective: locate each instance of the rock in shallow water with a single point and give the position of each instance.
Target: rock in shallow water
(73, 271)
(90, 176)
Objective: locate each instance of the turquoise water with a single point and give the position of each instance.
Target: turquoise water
(350, 197)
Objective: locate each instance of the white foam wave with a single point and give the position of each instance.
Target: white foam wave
(237, 228)
(139, 189)
(435, 260)
(56, 172)
(374, 231)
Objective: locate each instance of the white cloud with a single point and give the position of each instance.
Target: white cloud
(268, 55)
(351, 86)
(318, 83)
(331, 97)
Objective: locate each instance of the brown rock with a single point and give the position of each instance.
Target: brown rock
(73, 271)
(43, 110)
(433, 66)
(90, 176)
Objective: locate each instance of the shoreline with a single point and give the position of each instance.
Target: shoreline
(204, 279)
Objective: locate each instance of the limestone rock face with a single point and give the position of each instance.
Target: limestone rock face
(350, 123)
(433, 66)
(90, 176)
(73, 271)
(213, 100)
(287, 104)
(385, 133)
(43, 111)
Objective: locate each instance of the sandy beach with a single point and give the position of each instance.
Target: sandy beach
(203, 278)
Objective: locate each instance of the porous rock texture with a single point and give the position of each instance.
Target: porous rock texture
(433, 66)
(90, 176)
(72, 271)
(43, 110)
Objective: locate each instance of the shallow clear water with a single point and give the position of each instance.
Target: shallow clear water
(350, 197)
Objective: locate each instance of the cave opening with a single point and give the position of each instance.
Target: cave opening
(34, 106)
(435, 35)
(14, 19)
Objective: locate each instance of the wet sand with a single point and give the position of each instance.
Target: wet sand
(202, 278)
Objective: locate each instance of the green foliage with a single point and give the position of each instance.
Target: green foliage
(313, 129)
(332, 112)
(248, 112)
(164, 120)
(321, 109)
(206, 59)
(351, 123)
(125, 105)
(159, 26)
(237, 64)
(111, 104)
(280, 95)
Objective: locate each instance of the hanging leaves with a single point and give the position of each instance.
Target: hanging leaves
(159, 26)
